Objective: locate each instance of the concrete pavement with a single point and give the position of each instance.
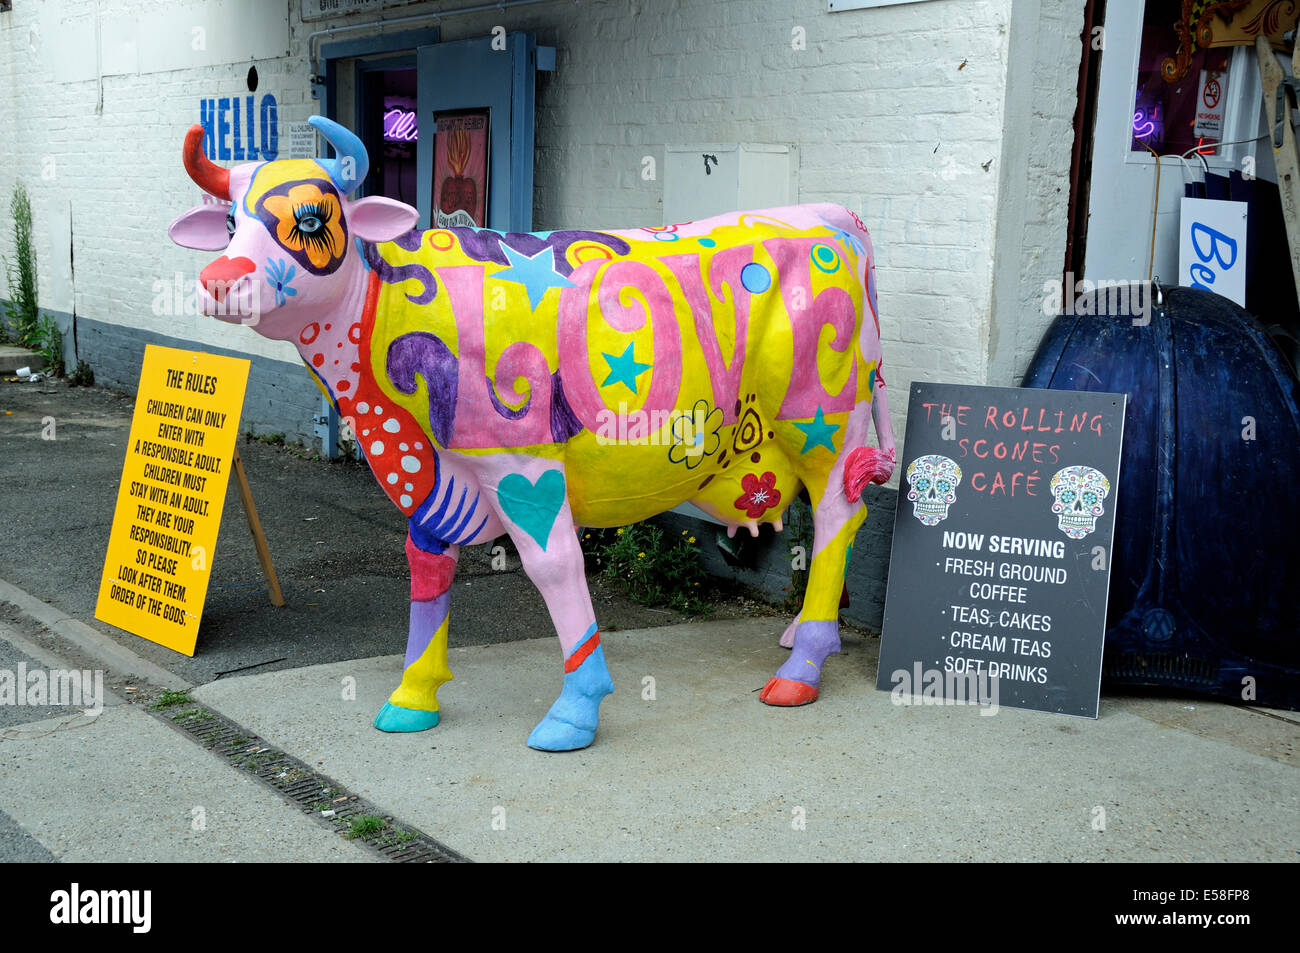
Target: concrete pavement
(121, 786)
(705, 772)
(688, 765)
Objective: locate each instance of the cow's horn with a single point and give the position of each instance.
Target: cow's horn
(349, 166)
(209, 176)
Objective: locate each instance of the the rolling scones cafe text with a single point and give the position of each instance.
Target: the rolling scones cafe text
(1000, 560)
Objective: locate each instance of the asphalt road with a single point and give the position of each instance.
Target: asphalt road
(337, 544)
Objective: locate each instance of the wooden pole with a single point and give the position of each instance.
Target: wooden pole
(1286, 158)
(255, 527)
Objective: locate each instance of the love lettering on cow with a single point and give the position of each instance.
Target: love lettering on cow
(532, 382)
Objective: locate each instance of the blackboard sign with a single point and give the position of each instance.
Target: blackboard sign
(1002, 544)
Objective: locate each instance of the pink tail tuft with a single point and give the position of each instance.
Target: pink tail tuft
(866, 465)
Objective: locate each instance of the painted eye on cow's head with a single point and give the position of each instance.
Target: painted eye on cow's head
(309, 226)
(307, 220)
(230, 221)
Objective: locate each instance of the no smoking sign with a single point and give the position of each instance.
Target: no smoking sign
(1211, 94)
(1209, 106)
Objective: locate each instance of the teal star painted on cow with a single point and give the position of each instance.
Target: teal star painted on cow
(536, 273)
(818, 433)
(624, 368)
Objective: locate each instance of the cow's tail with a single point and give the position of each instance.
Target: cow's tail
(866, 465)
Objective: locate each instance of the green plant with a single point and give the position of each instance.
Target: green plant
(83, 376)
(274, 439)
(198, 715)
(365, 825)
(23, 313)
(655, 568)
(48, 343)
(398, 836)
(170, 698)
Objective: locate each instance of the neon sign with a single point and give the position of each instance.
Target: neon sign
(399, 125)
(1143, 126)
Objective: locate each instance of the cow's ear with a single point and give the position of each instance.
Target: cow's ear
(378, 219)
(202, 227)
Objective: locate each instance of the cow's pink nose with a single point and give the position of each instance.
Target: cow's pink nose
(221, 275)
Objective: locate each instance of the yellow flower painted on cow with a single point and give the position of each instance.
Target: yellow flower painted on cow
(308, 223)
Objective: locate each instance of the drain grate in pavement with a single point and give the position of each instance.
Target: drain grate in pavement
(349, 815)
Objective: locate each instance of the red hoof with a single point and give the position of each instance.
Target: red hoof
(787, 693)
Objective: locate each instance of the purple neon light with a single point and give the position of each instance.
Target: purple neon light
(399, 125)
(1142, 126)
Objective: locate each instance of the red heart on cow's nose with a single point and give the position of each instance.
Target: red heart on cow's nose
(221, 275)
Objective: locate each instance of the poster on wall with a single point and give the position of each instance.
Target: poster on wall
(1000, 569)
(460, 169)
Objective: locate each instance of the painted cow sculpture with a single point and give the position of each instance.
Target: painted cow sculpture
(532, 383)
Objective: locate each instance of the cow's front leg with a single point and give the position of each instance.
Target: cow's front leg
(413, 706)
(532, 503)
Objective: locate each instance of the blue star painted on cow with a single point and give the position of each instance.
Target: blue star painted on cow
(624, 368)
(536, 273)
(818, 433)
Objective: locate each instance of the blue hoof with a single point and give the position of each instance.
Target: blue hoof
(571, 722)
(552, 734)
(394, 718)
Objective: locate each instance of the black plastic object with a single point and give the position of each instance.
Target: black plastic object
(1205, 588)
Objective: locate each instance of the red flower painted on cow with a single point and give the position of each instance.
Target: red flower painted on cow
(760, 494)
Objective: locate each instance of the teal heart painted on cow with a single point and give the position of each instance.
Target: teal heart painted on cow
(533, 506)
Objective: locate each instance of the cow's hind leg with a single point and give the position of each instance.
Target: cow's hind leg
(836, 518)
(536, 513)
(413, 706)
(816, 630)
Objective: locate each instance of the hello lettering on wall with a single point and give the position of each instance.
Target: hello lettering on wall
(240, 128)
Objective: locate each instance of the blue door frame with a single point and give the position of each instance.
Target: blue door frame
(470, 74)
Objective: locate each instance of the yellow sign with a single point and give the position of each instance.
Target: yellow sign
(178, 461)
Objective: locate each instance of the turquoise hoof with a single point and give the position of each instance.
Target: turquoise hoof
(552, 734)
(394, 718)
(571, 722)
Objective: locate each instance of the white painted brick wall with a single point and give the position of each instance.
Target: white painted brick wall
(885, 122)
(1032, 215)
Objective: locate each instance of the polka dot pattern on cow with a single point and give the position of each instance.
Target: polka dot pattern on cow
(354, 387)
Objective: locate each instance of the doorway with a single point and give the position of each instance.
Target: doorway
(386, 103)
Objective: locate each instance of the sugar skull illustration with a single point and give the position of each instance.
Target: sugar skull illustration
(933, 480)
(1077, 493)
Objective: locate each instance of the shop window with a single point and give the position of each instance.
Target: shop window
(1182, 89)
